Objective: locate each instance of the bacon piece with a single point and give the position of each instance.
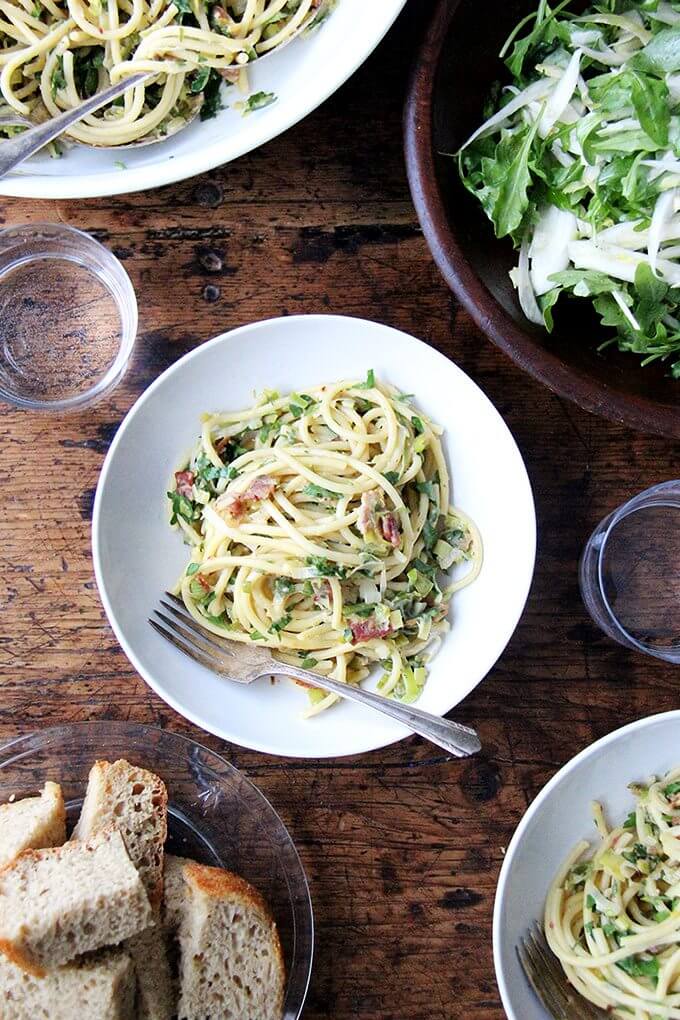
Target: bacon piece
(366, 630)
(237, 504)
(261, 488)
(204, 582)
(391, 532)
(184, 481)
(367, 521)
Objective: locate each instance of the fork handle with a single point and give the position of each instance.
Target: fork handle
(458, 740)
(15, 150)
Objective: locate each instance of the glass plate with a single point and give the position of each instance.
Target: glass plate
(215, 815)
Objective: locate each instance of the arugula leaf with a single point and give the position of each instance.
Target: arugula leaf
(650, 100)
(510, 178)
(662, 54)
(586, 281)
(651, 291)
(524, 46)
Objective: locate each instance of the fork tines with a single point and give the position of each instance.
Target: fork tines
(178, 627)
(548, 980)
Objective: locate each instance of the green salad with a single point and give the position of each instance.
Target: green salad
(579, 163)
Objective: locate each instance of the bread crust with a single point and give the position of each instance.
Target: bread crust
(220, 884)
(15, 956)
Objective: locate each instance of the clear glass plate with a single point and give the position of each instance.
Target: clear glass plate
(216, 816)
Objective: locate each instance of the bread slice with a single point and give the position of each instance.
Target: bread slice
(174, 892)
(98, 988)
(231, 963)
(155, 989)
(58, 903)
(134, 801)
(32, 823)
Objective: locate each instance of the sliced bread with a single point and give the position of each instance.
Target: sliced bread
(231, 963)
(101, 987)
(58, 903)
(155, 988)
(174, 893)
(134, 801)
(32, 823)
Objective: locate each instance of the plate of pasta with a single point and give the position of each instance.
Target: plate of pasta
(596, 861)
(210, 95)
(284, 482)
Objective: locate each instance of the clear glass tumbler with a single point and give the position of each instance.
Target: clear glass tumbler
(630, 573)
(68, 317)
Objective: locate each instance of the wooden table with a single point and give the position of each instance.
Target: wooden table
(402, 846)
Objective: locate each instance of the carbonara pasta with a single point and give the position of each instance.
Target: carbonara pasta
(613, 919)
(320, 526)
(55, 53)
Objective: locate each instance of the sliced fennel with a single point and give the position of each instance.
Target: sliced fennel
(578, 162)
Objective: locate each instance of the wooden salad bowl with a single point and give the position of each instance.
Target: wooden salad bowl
(454, 72)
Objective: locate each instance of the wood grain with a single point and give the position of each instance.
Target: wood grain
(402, 847)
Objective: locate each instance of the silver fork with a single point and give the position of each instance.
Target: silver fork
(244, 663)
(548, 980)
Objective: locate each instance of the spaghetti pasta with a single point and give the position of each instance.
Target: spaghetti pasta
(613, 919)
(55, 53)
(320, 526)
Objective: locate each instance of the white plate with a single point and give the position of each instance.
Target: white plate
(302, 75)
(560, 817)
(137, 556)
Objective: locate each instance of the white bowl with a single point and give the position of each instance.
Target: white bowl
(302, 75)
(137, 556)
(560, 817)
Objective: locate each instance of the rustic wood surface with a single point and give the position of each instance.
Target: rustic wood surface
(402, 846)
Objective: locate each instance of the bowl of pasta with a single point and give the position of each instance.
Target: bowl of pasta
(313, 504)
(211, 95)
(595, 861)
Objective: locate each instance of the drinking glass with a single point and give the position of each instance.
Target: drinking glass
(68, 318)
(630, 573)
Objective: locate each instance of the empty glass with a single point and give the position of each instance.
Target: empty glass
(68, 317)
(630, 573)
